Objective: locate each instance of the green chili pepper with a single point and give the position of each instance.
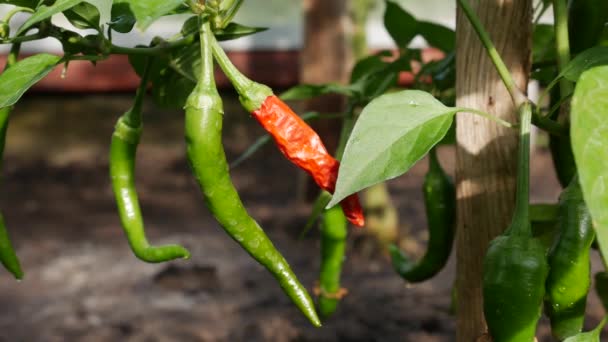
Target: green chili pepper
(439, 201)
(515, 265)
(569, 276)
(586, 22)
(601, 287)
(333, 245)
(204, 114)
(122, 171)
(7, 252)
(563, 159)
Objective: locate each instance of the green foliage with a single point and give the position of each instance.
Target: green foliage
(15, 81)
(84, 16)
(45, 12)
(589, 143)
(123, 20)
(403, 27)
(393, 132)
(148, 11)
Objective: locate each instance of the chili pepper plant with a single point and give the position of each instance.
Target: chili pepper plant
(542, 260)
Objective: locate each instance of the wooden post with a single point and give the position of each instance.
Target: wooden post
(486, 154)
(326, 57)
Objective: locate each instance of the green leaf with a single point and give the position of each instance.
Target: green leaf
(234, 30)
(231, 31)
(123, 18)
(401, 25)
(147, 11)
(308, 91)
(438, 36)
(392, 133)
(589, 132)
(45, 12)
(83, 16)
(590, 336)
(21, 76)
(543, 43)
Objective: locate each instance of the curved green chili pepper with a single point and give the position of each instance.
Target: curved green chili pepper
(569, 262)
(439, 200)
(515, 266)
(333, 245)
(204, 114)
(123, 150)
(7, 252)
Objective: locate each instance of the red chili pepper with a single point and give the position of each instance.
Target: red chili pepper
(303, 146)
(296, 140)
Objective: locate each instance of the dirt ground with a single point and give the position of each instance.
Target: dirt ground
(83, 284)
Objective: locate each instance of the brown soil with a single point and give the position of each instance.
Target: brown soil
(83, 284)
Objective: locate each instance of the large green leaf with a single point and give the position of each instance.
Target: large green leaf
(589, 131)
(147, 11)
(392, 133)
(21, 76)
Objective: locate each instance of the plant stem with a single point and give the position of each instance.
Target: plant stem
(152, 51)
(518, 96)
(11, 13)
(520, 225)
(206, 78)
(562, 43)
(134, 115)
(235, 5)
(487, 116)
(548, 125)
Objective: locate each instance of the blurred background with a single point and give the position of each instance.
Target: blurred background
(82, 282)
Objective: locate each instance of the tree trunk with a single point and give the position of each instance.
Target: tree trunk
(486, 154)
(325, 57)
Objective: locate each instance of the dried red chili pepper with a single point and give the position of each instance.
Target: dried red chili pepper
(294, 137)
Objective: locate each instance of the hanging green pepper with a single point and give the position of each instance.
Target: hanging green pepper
(439, 201)
(122, 172)
(7, 252)
(601, 287)
(586, 22)
(515, 265)
(204, 116)
(569, 262)
(333, 245)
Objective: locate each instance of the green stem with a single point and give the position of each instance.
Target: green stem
(518, 96)
(234, 8)
(348, 122)
(487, 116)
(562, 43)
(152, 51)
(520, 225)
(548, 125)
(23, 39)
(134, 115)
(11, 13)
(206, 77)
(238, 80)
